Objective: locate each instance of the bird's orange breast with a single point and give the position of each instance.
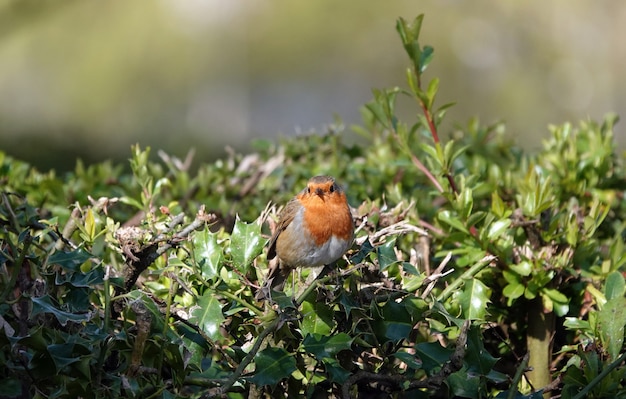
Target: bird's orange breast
(328, 217)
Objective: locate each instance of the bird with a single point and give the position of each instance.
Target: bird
(315, 228)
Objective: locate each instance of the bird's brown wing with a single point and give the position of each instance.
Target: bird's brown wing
(284, 219)
(278, 272)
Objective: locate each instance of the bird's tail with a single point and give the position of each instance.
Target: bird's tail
(275, 281)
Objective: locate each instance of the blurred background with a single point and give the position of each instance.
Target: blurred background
(86, 79)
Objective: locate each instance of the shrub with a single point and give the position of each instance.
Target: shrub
(473, 260)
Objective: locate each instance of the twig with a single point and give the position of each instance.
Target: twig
(468, 275)
(518, 376)
(437, 274)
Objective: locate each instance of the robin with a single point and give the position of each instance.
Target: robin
(314, 229)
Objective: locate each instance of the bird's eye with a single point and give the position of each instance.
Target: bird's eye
(308, 190)
(332, 188)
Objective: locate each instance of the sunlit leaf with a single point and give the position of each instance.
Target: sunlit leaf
(246, 244)
(611, 322)
(451, 220)
(317, 318)
(474, 299)
(207, 314)
(208, 253)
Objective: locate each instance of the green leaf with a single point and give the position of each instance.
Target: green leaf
(366, 249)
(447, 218)
(432, 355)
(386, 254)
(411, 80)
(614, 286)
(479, 361)
(513, 291)
(62, 355)
(559, 302)
(44, 305)
(70, 260)
(208, 253)
(397, 331)
(79, 279)
(90, 225)
(272, 365)
(425, 58)
(523, 268)
(378, 113)
(434, 153)
(498, 228)
(497, 205)
(246, 243)
(317, 318)
(433, 86)
(464, 385)
(474, 299)
(326, 346)
(409, 34)
(611, 321)
(207, 314)
(574, 323)
(336, 372)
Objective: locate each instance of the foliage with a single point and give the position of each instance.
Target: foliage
(472, 261)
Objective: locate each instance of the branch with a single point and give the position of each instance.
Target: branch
(153, 250)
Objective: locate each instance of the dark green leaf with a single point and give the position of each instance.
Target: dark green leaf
(426, 57)
(336, 372)
(272, 365)
(62, 355)
(479, 361)
(70, 260)
(44, 305)
(364, 250)
(464, 385)
(386, 254)
(326, 346)
(432, 355)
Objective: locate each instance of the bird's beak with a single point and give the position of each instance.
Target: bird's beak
(319, 192)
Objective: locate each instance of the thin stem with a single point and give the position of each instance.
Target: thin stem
(518, 376)
(243, 302)
(468, 275)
